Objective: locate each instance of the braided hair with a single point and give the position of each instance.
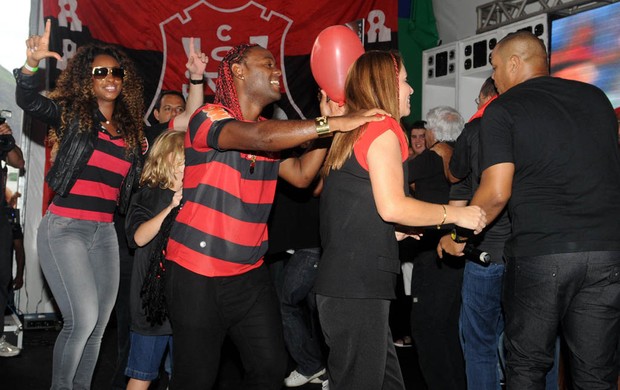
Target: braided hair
(225, 92)
(153, 285)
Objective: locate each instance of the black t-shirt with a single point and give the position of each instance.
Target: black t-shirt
(465, 164)
(145, 205)
(465, 151)
(294, 219)
(426, 171)
(561, 136)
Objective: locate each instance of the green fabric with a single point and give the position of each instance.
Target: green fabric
(416, 34)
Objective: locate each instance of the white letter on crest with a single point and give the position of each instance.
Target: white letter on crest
(261, 40)
(377, 28)
(220, 30)
(67, 11)
(68, 50)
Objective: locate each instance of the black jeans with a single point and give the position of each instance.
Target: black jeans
(577, 292)
(203, 310)
(121, 307)
(435, 310)
(6, 263)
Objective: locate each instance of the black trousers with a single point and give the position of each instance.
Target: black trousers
(361, 352)
(435, 310)
(121, 307)
(578, 293)
(203, 310)
(6, 263)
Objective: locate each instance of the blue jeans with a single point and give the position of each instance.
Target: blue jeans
(146, 354)
(578, 293)
(482, 323)
(482, 328)
(80, 262)
(298, 307)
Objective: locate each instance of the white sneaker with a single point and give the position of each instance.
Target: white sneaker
(295, 379)
(7, 349)
(325, 385)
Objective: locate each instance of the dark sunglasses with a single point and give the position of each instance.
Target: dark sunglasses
(101, 72)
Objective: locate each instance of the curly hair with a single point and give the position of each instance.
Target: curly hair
(225, 92)
(75, 95)
(159, 166)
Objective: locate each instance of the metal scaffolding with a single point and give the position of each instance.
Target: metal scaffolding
(499, 13)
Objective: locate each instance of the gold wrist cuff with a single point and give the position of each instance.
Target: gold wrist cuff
(322, 125)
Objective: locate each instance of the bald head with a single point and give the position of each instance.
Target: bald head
(518, 57)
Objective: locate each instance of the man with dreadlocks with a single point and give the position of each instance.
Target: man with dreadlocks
(216, 282)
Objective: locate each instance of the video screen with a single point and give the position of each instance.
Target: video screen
(586, 47)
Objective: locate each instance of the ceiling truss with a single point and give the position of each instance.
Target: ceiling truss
(500, 13)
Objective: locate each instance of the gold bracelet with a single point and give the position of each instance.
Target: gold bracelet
(445, 214)
(322, 125)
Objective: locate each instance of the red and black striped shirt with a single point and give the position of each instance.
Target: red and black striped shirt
(222, 228)
(94, 195)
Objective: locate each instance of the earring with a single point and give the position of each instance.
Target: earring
(240, 77)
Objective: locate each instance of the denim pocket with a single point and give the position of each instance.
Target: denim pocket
(535, 285)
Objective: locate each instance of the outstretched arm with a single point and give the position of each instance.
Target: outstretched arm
(276, 135)
(386, 178)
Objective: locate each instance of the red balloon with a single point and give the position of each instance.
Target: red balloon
(335, 49)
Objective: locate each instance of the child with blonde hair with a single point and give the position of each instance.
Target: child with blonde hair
(150, 216)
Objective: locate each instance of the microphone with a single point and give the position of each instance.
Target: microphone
(475, 254)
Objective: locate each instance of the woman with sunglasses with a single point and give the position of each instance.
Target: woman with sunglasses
(95, 113)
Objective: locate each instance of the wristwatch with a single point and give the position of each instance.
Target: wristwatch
(456, 238)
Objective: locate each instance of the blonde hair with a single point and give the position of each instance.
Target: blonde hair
(372, 82)
(163, 158)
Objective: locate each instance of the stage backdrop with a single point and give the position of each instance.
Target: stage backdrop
(156, 35)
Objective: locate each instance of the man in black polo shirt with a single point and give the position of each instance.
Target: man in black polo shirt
(549, 151)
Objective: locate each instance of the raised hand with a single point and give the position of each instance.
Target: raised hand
(196, 61)
(38, 47)
(330, 107)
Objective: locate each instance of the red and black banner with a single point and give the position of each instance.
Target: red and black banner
(156, 35)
